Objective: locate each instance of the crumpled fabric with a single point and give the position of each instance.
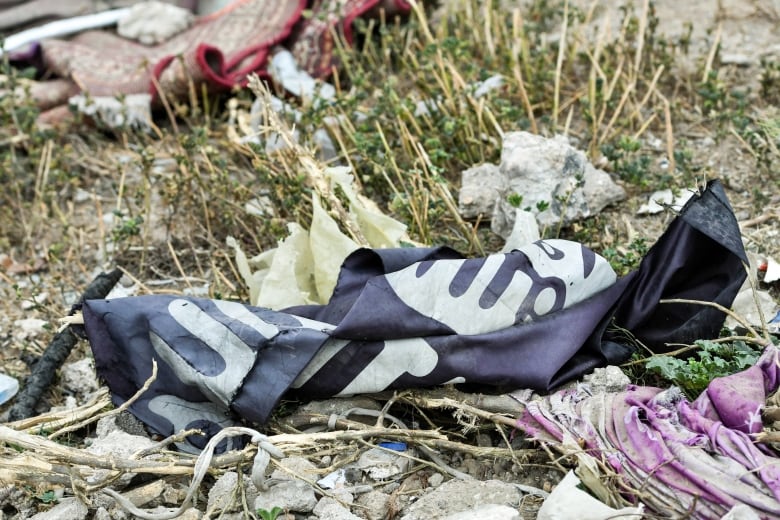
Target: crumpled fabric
(218, 52)
(685, 458)
(535, 318)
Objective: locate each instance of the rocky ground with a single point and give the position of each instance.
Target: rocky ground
(54, 244)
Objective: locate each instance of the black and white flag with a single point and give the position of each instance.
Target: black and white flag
(399, 318)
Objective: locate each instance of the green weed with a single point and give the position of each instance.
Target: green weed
(711, 360)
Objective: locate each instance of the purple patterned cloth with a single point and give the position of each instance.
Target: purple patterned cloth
(686, 458)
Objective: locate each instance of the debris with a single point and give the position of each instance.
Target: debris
(284, 70)
(456, 496)
(330, 509)
(154, 22)
(556, 181)
(525, 231)
(79, 377)
(334, 479)
(657, 441)
(217, 52)
(489, 512)
(411, 317)
(67, 509)
(56, 352)
(315, 255)
(381, 464)
(133, 111)
(222, 496)
(29, 328)
(19, 41)
(662, 199)
(9, 386)
(609, 379)
(567, 497)
(772, 273)
(376, 504)
(289, 495)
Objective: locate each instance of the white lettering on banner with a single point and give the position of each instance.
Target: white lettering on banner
(239, 312)
(238, 357)
(398, 357)
(569, 268)
(430, 295)
(182, 414)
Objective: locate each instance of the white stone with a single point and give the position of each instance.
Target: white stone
(224, 495)
(568, 497)
(550, 171)
(487, 512)
(29, 328)
(120, 445)
(436, 480)
(608, 379)
(68, 509)
(456, 496)
(380, 464)
(329, 509)
(298, 467)
(376, 504)
(79, 377)
(36, 300)
(290, 495)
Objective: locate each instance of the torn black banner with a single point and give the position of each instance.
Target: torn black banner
(398, 318)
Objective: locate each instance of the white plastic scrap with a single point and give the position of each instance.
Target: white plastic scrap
(132, 111)
(297, 82)
(316, 255)
(567, 497)
(772, 273)
(61, 28)
(665, 198)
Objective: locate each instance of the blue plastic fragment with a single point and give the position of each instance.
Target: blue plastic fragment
(8, 388)
(395, 446)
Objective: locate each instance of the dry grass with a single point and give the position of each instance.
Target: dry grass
(161, 205)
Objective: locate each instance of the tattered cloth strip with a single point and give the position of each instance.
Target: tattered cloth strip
(688, 459)
(400, 318)
(219, 51)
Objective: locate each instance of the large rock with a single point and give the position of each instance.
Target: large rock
(456, 496)
(549, 171)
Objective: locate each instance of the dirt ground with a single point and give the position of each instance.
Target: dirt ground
(51, 252)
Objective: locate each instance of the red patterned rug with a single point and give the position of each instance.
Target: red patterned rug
(219, 51)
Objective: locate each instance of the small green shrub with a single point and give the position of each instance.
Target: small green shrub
(712, 360)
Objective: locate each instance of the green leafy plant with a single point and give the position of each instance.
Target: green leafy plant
(625, 260)
(47, 497)
(711, 360)
(273, 514)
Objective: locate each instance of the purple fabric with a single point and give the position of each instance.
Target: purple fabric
(685, 457)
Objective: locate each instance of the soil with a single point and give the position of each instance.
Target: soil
(34, 286)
